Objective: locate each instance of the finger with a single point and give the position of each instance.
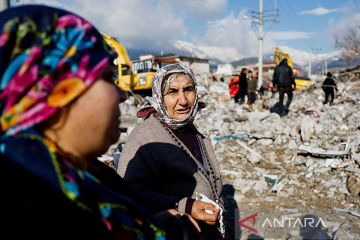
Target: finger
(209, 211)
(213, 210)
(209, 217)
(217, 212)
(214, 215)
(209, 206)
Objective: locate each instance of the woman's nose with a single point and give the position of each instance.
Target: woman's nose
(182, 98)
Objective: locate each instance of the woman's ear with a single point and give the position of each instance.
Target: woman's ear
(57, 121)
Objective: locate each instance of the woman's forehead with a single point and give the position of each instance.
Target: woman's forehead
(179, 80)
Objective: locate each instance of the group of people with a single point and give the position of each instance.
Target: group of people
(59, 112)
(284, 83)
(247, 86)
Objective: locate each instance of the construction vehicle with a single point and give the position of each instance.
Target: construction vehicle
(125, 78)
(302, 83)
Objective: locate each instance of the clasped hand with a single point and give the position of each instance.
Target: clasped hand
(205, 212)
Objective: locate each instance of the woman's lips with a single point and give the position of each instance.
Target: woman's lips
(183, 111)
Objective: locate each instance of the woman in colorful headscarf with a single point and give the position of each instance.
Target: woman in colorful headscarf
(167, 159)
(59, 111)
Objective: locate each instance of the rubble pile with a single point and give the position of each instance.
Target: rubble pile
(304, 163)
(306, 160)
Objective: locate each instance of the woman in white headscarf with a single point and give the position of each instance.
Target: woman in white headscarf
(167, 159)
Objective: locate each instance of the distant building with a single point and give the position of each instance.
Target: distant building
(153, 62)
(225, 69)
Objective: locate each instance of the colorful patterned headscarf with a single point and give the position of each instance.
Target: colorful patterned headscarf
(48, 58)
(158, 99)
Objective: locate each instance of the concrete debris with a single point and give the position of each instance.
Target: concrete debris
(354, 186)
(319, 152)
(350, 211)
(308, 160)
(255, 157)
(307, 129)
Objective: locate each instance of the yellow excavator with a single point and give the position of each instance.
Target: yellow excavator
(126, 79)
(302, 83)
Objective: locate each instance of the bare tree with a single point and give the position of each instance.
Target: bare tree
(349, 43)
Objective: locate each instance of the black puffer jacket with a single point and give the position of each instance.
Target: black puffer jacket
(329, 85)
(283, 76)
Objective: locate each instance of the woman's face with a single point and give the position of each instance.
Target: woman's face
(101, 113)
(179, 97)
(92, 123)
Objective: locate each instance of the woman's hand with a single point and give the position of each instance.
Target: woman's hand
(205, 212)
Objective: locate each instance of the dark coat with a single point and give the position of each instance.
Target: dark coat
(164, 173)
(243, 84)
(329, 85)
(33, 208)
(283, 77)
(34, 205)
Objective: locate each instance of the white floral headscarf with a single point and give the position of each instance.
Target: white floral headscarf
(158, 100)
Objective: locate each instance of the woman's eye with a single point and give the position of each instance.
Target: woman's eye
(173, 91)
(189, 89)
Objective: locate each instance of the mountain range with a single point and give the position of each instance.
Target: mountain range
(218, 55)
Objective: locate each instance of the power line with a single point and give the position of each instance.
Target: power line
(285, 14)
(307, 42)
(267, 16)
(296, 16)
(288, 20)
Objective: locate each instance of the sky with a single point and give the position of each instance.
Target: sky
(228, 25)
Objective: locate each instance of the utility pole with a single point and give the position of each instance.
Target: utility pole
(326, 69)
(4, 4)
(317, 62)
(258, 18)
(261, 38)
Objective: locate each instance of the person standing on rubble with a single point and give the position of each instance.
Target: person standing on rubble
(167, 159)
(59, 111)
(243, 85)
(252, 87)
(284, 81)
(329, 87)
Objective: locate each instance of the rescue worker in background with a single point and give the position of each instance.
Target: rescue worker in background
(329, 86)
(240, 96)
(213, 77)
(252, 82)
(284, 81)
